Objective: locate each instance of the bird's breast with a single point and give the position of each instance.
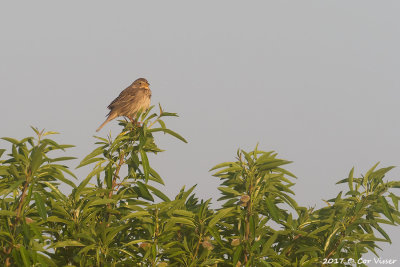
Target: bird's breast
(143, 103)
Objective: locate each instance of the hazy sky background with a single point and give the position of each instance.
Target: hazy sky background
(316, 81)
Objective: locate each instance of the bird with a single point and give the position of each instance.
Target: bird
(136, 97)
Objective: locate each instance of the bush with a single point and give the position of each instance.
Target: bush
(123, 219)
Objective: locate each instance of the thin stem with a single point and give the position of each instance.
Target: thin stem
(159, 116)
(18, 215)
(336, 246)
(114, 182)
(198, 243)
(23, 195)
(155, 238)
(21, 202)
(247, 220)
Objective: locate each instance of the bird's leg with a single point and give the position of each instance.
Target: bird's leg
(131, 119)
(138, 123)
(134, 122)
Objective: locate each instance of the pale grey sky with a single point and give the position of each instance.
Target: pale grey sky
(316, 81)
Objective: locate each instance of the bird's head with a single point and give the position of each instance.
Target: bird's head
(141, 83)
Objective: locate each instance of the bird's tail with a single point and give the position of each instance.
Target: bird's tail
(109, 118)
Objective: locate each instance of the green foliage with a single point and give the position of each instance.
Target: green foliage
(118, 215)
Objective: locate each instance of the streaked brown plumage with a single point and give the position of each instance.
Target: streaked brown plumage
(134, 98)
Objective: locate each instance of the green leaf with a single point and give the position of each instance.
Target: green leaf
(386, 208)
(36, 130)
(7, 213)
(36, 158)
(248, 158)
(174, 220)
(229, 191)
(270, 241)
(62, 159)
(56, 219)
(112, 232)
(158, 193)
(25, 256)
(383, 233)
(219, 215)
(328, 241)
(62, 178)
(285, 172)
(271, 164)
(11, 140)
(367, 175)
(225, 164)
(233, 169)
(185, 244)
(13, 186)
(88, 159)
(145, 164)
(39, 203)
(395, 200)
(68, 243)
(83, 184)
(108, 177)
(50, 132)
(273, 211)
(351, 179)
(168, 114)
(303, 260)
(170, 132)
(394, 184)
(252, 222)
(151, 116)
(144, 192)
(137, 214)
(63, 169)
(102, 201)
(135, 242)
(162, 123)
(156, 177)
(236, 254)
(358, 207)
(320, 229)
(183, 213)
(85, 250)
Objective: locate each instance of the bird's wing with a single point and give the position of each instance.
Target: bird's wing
(129, 95)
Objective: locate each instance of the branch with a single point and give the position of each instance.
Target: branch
(114, 182)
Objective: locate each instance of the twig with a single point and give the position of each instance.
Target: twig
(114, 182)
